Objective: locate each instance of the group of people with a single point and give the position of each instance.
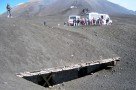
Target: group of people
(86, 21)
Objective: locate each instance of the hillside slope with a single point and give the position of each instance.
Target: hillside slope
(27, 46)
(53, 7)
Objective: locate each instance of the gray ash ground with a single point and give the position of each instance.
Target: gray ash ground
(28, 45)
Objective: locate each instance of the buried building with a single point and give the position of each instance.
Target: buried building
(54, 76)
(99, 19)
(92, 18)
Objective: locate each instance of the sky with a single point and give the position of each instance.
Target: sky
(129, 4)
(13, 3)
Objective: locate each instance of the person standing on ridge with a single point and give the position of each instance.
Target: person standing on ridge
(8, 10)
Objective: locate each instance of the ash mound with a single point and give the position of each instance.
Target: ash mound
(28, 45)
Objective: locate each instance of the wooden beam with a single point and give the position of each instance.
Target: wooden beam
(110, 61)
(47, 79)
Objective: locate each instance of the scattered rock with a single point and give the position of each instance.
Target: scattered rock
(5, 82)
(62, 84)
(72, 55)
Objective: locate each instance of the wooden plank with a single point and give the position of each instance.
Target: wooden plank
(76, 66)
(47, 80)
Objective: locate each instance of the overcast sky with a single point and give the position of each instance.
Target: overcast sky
(129, 4)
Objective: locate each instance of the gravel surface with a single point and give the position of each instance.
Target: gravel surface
(27, 45)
